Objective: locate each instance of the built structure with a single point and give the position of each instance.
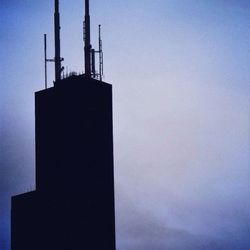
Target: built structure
(73, 204)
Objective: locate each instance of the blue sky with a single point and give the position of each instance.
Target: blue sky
(181, 81)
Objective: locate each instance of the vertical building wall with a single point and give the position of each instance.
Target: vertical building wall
(74, 167)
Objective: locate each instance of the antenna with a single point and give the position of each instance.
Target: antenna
(87, 45)
(100, 55)
(89, 53)
(45, 60)
(58, 59)
(93, 63)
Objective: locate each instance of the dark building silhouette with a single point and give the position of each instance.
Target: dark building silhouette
(73, 204)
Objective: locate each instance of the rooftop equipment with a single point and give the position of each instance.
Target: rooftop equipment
(89, 52)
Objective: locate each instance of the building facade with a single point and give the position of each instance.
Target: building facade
(73, 204)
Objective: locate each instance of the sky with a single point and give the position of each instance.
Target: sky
(181, 87)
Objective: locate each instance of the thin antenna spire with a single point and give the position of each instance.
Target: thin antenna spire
(45, 60)
(100, 54)
(93, 63)
(87, 46)
(57, 58)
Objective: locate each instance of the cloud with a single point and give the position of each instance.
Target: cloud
(184, 167)
(138, 230)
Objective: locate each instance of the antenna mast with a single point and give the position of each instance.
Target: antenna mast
(57, 59)
(100, 55)
(87, 45)
(45, 60)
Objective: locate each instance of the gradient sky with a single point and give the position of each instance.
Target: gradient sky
(180, 71)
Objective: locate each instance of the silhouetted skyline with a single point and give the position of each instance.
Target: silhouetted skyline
(73, 204)
(181, 112)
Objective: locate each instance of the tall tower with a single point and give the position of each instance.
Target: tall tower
(73, 204)
(87, 45)
(57, 59)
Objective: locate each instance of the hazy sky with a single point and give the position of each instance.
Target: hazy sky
(180, 71)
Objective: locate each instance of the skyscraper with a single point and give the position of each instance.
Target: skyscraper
(73, 204)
